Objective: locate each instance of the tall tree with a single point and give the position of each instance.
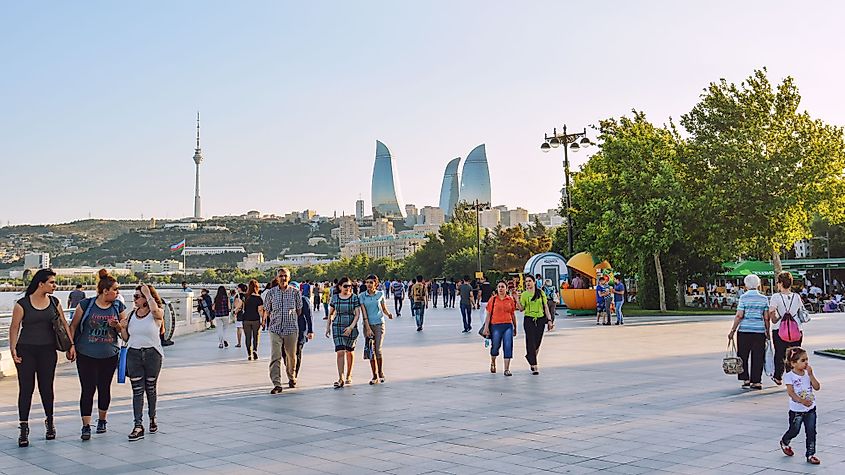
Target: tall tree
(765, 167)
(628, 199)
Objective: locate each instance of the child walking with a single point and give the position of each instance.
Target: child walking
(800, 385)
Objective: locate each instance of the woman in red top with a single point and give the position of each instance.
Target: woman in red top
(500, 326)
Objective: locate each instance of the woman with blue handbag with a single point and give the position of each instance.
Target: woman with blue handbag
(142, 330)
(94, 330)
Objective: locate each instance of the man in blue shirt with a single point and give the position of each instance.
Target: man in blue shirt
(619, 298)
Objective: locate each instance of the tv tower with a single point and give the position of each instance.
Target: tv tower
(198, 160)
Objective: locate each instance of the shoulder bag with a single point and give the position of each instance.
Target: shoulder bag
(63, 342)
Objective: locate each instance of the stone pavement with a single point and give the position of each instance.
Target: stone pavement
(648, 397)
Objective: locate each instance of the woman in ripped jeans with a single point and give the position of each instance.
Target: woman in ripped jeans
(142, 330)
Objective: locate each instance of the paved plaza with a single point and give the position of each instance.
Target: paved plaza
(648, 397)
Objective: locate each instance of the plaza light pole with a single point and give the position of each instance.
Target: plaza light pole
(478, 207)
(574, 142)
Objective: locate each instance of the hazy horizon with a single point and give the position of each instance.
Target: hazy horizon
(100, 98)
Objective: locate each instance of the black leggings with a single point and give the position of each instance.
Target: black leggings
(534, 328)
(95, 375)
(36, 360)
(251, 329)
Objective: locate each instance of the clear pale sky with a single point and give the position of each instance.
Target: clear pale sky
(98, 99)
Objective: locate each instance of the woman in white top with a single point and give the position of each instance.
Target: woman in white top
(142, 329)
(782, 302)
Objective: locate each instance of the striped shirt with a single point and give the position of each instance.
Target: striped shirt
(753, 304)
(284, 306)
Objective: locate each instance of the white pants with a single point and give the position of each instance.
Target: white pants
(222, 323)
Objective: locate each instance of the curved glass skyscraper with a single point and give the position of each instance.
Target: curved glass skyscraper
(386, 195)
(475, 177)
(450, 188)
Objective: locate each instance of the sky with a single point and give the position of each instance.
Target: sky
(98, 100)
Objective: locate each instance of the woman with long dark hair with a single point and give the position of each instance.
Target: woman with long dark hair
(534, 304)
(253, 319)
(342, 326)
(142, 330)
(221, 309)
(500, 326)
(32, 342)
(95, 331)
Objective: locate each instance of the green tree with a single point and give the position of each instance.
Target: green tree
(628, 200)
(764, 167)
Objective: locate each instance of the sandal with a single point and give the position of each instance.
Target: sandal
(508, 372)
(757, 386)
(373, 381)
(787, 450)
(746, 385)
(492, 367)
(338, 384)
(777, 381)
(813, 460)
(349, 380)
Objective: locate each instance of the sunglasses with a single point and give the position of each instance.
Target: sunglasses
(137, 296)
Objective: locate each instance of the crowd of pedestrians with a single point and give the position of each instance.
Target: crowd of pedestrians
(351, 307)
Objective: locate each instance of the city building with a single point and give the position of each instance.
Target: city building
(36, 260)
(450, 188)
(347, 230)
(386, 195)
(151, 266)
(432, 215)
(803, 249)
(383, 227)
(426, 228)
(308, 214)
(410, 215)
(359, 210)
(212, 250)
(181, 225)
(253, 260)
(490, 218)
(305, 259)
(315, 241)
(475, 177)
(198, 160)
(517, 217)
(396, 247)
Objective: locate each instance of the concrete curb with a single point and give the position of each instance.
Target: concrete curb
(829, 354)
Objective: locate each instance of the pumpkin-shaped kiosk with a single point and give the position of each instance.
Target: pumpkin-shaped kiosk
(583, 301)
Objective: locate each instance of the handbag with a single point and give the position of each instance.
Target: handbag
(63, 342)
(731, 363)
(121, 364)
(481, 330)
(769, 362)
(368, 348)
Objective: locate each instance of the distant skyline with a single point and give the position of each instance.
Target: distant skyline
(100, 98)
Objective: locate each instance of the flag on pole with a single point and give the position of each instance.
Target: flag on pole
(178, 245)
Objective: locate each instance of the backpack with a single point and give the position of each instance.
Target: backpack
(418, 292)
(788, 330)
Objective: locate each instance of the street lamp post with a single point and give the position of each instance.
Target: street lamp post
(575, 142)
(478, 207)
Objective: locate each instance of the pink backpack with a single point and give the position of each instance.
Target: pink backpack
(789, 331)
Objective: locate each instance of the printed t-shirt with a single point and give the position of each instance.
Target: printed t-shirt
(96, 338)
(372, 304)
(501, 310)
(803, 388)
(533, 308)
(418, 292)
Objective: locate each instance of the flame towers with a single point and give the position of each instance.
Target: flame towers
(450, 189)
(475, 177)
(386, 195)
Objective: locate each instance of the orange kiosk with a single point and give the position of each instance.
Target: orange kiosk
(583, 301)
